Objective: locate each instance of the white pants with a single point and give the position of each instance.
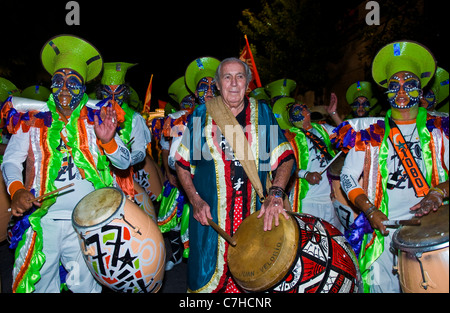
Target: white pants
(382, 278)
(61, 245)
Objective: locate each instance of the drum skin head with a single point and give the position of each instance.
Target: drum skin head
(431, 234)
(262, 258)
(123, 249)
(98, 207)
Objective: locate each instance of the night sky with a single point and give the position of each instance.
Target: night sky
(162, 37)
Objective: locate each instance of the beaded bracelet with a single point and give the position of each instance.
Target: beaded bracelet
(302, 174)
(438, 190)
(370, 210)
(277, 192)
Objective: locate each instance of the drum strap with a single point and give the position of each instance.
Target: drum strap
(318, 143)
(235, 137)
(409, 163)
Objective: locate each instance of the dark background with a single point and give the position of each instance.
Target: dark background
(163, 37)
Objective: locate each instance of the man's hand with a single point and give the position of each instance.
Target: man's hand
(271, 208)
(376, 221)
(431, 202)
(20, 203)
(313, 178)
(201, 211)
(107, 130)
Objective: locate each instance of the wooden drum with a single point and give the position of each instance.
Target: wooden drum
(149, 176)
(423, 254)
(143, 200)
(5, 204)
(122, 246)
(304, 254)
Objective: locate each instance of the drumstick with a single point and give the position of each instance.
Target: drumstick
(130, 142)
(45, 195)
(222, 233)
(329, 163)
(395, 223)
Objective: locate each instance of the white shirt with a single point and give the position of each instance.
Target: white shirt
(399, 188)
(319, 193)
(141, 137)
(17, 152)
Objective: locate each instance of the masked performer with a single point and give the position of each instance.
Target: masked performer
(66, 140)
(360, 98)
(173, 216)
(400, 157)
(435, 95)
(7, 89)
(133, 131)
(200, 80)
(311, 191)
(194, 89)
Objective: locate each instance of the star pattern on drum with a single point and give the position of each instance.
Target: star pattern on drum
(127, 253)
(312, 234)
(127, 259)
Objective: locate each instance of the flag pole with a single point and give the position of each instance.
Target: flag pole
(258, 81)
(148, 97)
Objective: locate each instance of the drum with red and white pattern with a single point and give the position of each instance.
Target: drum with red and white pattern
(304, 254)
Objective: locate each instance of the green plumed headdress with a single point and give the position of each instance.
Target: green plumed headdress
(281, 87)
(7, 89)
(439, 85)
(259, 94)
(360, 89)
(198, 69)
(68, 51)
(36, 92)
(281, 111)
(403, 56)
(114, 73)
(178, 90)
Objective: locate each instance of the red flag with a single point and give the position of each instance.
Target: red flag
(162, 104)
(247, 57)
(148, 97)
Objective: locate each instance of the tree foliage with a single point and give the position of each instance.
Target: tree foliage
(400, 20)
(292, 39)
(298, 39)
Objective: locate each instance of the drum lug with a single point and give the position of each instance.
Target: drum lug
(395, 265)
(136, 230)
(424, 284)
(89, 251)
(85, 251)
